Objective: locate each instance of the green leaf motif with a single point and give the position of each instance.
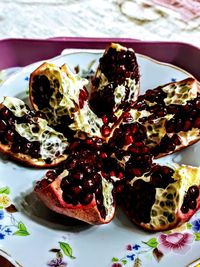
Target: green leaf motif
(21, 226)
(67, 250)
(197, 236)
(124, 262)
(153, 243)
(189, 226)
(21, 233)
(22, 230)
(5, 190)
(114, 259)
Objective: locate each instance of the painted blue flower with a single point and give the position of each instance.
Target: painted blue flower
(196, 225)
(2, 236)
(58, 262)
(131, 257)
(26, 78)
(173, 79)
(136, 246)
(1, 214)
(8, 231)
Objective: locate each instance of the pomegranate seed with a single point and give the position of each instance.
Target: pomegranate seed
(86, 199)
(128, 140)
(75, 190)
(103, 155)
(134, 149)
(81, 103)
(193, 192)
(77, 176)
(51, 175)
(83, 94)
(105, 119)
(106, 131)
(9, 136)
(89, 142)
(197, 123)
(2, 126)
(136, 172)
(139, 144)
(187, 125)
(112, 173)
(120, 175)
(134, 128)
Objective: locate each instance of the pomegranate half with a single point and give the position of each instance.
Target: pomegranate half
(163, 198)
(26, 136)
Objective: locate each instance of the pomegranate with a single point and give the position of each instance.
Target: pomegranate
(62, 96)
(115, 85)
(83, 186)
(162, 121)
(26, 137)
(163, 198)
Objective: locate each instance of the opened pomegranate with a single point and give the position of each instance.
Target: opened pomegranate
(25, 135)
(164, 197)
(83, 187)
(116, 82)
(162, 121)
(62, 96)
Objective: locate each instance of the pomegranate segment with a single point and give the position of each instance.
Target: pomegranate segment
(116, 83)
(62, 96)
(162, 121)
(164, 197)
(83, 186)
(25, 135)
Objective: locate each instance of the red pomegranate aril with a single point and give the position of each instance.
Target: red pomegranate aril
(89, 185)
(105, 131)
(3, 125)
(83, 94)
(192, 204)
(85, 200)
(103, 155)
(51, 175)
(105, 119)
(10, 136)
(197, 123)
(120, 175)
(197, 104)
(134, 149)
(184, 209)
(128, 140)
(75, 190)
(193, 192)
(187, 125)
(136, 172)
(78, 176)
(5, 113)
(81, 103)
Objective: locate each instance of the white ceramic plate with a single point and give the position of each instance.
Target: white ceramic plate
(36, 237)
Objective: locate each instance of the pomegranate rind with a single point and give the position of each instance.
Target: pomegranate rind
(51, 196)
(13, 104)
(133, 84)
(184, 177)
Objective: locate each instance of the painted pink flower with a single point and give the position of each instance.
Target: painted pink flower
(179, 243)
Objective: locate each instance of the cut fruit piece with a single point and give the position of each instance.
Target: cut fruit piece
(26, 137)
(116, 82)
(163, 198)
(162, 121)
(62, 97)
(82, 187)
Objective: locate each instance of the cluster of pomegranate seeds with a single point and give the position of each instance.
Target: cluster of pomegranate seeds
(9, 135)
(190, 199)
(142, 193)
(83, 96)
(117, 65)
(42, 90)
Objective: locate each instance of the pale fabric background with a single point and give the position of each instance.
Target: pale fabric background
(96, 18)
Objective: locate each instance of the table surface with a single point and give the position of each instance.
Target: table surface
(92, 18)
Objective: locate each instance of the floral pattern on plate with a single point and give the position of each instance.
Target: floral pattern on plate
(9, 225)
(178, 241)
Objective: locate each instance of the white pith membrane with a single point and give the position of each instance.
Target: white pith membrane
(178, 93)
(51, 142)
(172, 196)
(108, 200)
(85, 122)
(119, 91)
